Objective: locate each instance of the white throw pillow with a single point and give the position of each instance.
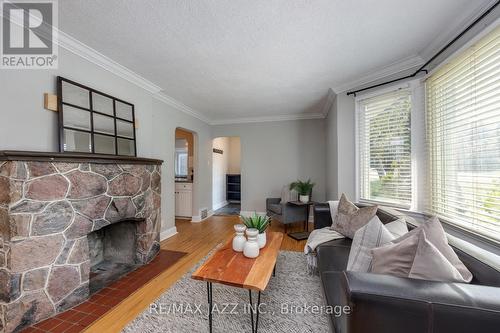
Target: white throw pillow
(398, 228)
(334, 208)
(372, 235)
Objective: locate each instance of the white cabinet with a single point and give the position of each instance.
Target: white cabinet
(183, 199)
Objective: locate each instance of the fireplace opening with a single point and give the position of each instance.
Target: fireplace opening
(112, 251)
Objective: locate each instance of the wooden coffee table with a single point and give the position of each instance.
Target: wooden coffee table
(232, 268)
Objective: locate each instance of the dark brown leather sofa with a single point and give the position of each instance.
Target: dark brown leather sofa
(386, 304)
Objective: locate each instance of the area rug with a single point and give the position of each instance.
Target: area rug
(228, 210)
(288, 304)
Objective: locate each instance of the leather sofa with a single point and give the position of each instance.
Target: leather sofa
(385, 304)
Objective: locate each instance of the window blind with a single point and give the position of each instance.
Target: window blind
(463, 132)
(384, 140)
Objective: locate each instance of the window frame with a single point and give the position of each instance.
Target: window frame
(410, 86)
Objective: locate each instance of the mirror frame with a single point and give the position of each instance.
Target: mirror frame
(62, 127)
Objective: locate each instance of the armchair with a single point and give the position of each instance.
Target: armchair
(284, 212)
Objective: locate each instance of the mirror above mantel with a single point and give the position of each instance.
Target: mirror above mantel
(94, 122)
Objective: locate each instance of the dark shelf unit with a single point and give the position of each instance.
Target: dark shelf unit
(233, 188)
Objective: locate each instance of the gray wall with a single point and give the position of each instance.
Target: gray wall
(274, 154)
(341, 148)
(25, 125)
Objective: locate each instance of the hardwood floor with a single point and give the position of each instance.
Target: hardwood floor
(197, 239)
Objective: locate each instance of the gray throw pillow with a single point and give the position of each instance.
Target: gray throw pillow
(431, 264)
(372, 235)
(435, 234)
(350, 218)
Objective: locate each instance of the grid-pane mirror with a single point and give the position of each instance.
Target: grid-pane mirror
(93, 122)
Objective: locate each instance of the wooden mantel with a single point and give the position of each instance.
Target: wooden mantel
(15, 155)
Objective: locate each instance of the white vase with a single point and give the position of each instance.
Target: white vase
(304, 198)
(261, 239)
(251, 248)
(239, 239)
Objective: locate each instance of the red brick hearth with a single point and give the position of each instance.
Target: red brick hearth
(82, 316)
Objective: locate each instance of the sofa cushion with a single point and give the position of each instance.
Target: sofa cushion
(395, 258)
(275, 208)
(430, 264)
(372, 235)
(435, 234)
(350, 218)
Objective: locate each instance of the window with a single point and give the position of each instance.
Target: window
(463, 133)
(384, 140)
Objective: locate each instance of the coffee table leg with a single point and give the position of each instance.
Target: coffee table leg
(254, 328)
(209, 291)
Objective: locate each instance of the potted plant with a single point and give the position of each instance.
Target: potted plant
(303, 188)
(259, 222)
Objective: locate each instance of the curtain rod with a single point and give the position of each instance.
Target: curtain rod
(422, 68)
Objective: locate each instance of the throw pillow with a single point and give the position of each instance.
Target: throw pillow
(398, 228)
(435, 234)
(372, 235)
(288, 195)
(431, 264)
(395, 258)
(350, 218)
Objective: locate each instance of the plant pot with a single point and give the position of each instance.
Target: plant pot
(251, 248)
(304, 198)
(239, 239)
(262, 239)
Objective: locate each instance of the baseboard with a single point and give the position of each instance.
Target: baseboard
(198, 219)
(250, 213)
(220, 205)
(168, 233)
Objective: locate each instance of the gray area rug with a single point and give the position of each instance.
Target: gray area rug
(286, 305)
(228, 210)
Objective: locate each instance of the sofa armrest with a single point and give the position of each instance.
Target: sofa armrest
(272, 201)
(392, 304)
(322, 216)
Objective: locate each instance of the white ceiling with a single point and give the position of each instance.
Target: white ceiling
(235, 59)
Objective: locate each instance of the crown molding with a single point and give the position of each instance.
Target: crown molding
(329, 100)
(264, 119)
(392, 69)
(180, 106)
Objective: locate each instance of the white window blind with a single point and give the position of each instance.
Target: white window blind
(463, 132)
(384, 140)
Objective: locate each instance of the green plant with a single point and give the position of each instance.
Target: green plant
(259, 222)
(303, 188)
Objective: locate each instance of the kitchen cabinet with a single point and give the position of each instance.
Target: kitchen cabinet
(183, 199)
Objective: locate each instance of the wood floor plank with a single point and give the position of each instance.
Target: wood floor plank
(196, 239)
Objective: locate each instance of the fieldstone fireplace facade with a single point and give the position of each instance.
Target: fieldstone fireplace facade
(48, 207)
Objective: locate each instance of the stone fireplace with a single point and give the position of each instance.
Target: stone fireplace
(69, 225)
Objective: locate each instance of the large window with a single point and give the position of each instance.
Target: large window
(463, 132)
(385, 148)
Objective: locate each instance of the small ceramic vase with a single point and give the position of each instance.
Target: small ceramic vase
(251, 248)
(304, 198)
(261, 239)
(239, 239)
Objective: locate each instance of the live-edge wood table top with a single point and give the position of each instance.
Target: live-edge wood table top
(232, 268)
